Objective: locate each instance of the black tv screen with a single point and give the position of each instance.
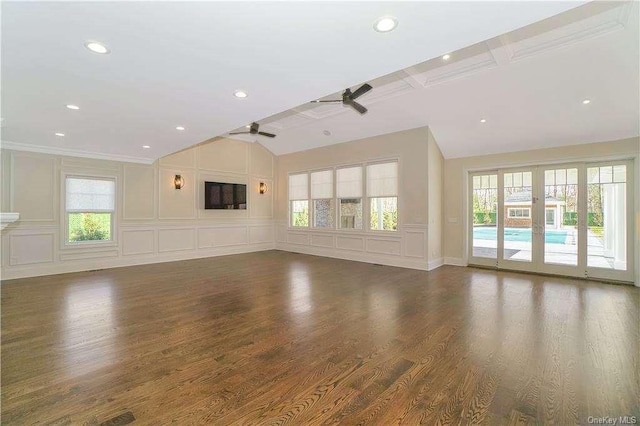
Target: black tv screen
(225, 196)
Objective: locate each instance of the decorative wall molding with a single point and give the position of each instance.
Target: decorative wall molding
(363, 246)
(358, 256)
(15, 146)
(140, 244)
(434, 264)
(454, 261)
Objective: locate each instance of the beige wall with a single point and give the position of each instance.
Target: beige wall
(455, 172)
(435, 169)
(154, 221)
(409, 246)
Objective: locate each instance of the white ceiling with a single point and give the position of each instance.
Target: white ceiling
(178, 63)
(528, 84)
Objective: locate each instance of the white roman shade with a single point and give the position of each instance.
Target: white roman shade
(349, 182)
(90, 195)
(382, 180)
(298, 187)
(322, 184)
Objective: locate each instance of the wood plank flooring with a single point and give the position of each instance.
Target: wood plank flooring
(289, 339)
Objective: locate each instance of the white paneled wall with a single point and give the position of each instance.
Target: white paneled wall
(154, 221)
(407, 249)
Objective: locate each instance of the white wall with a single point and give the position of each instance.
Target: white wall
(154, 221)
(409, 246)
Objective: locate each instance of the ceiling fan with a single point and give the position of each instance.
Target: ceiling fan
(349, 98)
(254, 130)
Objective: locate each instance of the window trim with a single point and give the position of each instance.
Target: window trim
(312, 209)
(397, 196)
(64, 213)
(510, 209)
(363, 183)
(289, 201)
(365, 200)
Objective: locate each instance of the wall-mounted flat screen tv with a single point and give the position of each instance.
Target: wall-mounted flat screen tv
(225, 196)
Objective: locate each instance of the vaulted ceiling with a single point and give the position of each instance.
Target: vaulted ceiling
(178, 64)
(569, 79)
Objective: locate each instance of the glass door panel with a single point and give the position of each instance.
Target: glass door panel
(517, 216)
(484, 238)
(561, 234)
(607, 217)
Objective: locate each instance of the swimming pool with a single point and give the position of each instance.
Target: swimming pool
(518, 234)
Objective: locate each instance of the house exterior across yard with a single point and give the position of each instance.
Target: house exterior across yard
(517, 211)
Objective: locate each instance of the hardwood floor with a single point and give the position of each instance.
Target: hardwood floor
(284, 338)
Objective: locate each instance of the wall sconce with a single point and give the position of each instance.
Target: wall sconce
(263, 188)
(178, 181)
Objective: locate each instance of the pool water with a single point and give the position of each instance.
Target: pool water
(518, 234)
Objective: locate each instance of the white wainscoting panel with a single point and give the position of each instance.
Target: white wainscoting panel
(321, 240)
(222, 237)
(415, 242)
(281, 232)
(298, 238)
(350, 243)
(31, 248)
(89, 253)
(176, 239)
(260, 234)
(140, 241)
(384, 246)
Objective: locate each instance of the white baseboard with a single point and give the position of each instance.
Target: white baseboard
(454, 261)
(334, 253)
(434, 264)
(25, 271)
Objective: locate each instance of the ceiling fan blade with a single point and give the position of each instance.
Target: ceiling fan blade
(360, 91)
(269, 135)
(358, 107)
(239, 133)
(332, 101)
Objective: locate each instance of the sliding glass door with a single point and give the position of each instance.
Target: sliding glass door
(519, 225)
(562, 241)
(568, 219)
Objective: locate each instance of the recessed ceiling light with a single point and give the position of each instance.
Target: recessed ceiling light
(586, 101)
(97, 47)
(483, 120)
(179, 128)
(73, 106)
(446, 57)
(248, 126)
(146, 146)
(385, 24)
(59, 134)
(240, 94)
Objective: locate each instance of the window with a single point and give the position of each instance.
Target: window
(299, 199)
(518, 213)
(322, 198)
(90, 204)
(382, 190)
(349, 191)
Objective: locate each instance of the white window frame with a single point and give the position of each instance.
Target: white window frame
(362, 198)
(66, 244)
(368, 198)
(312, 209)
(527, 209)
(290, 201)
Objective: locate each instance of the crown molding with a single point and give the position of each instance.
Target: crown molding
(72, 152)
